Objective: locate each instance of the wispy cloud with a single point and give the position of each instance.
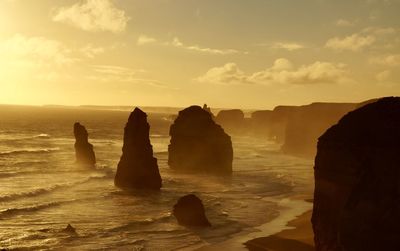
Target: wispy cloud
(93, 15)
(143, 39)
(345, 23)
(383, 76)
(361, 40)
(119, 74)
(290, 46)
(177, 43)
(354, 42)
(92, 51)
(390, 60)
(39, 50)
(281, 72)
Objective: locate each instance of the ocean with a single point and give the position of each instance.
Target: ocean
(43, 190)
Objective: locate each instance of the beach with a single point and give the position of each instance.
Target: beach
(300, 238)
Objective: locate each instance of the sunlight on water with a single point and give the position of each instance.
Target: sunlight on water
(43, 190)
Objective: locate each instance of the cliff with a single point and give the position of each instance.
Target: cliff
(306, 123)
(357, 181)
(232, 121)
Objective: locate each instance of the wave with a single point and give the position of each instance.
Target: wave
(14, 211)
(41, 191)
(29, 151)
(140, 223)
(12, 137)
(159, 136)
(42, 136)
(161, 152)
(32, 193)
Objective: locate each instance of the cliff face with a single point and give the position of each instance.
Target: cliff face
(306, 123)
(233, 121)
(83, 149)
(137, 167)
(199, 144)
(357, 181)
(271, 124)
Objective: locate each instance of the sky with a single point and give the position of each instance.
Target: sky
(227, 53)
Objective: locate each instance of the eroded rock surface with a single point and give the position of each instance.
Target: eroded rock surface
(357, 181)
(189, 211)
(83, 149)
(199, 144)
(137, 167)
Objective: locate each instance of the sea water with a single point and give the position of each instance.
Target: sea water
(43, 190)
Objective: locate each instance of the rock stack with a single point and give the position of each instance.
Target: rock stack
(357, 181)
(199, 144)
(137, 167)
(83, 149)
(189, 211)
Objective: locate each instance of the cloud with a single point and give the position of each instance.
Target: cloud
(91, 51)
(177, 43)
(391, 60)
(118, 74)
(377, 36)
(287, 46)
(383, 76)
(93, 15)
(344, 23)
(281, 72)
(226, 74)
(355, 42)
(143, 39)
(38, 50)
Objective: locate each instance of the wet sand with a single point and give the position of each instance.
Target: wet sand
(298, 239)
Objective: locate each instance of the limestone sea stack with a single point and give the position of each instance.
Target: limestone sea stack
(137, 167)
(357, 181)
(189, 211)
(83, 149)
(233, 121)
(199, 144)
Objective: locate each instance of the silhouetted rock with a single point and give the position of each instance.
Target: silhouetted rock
(137, 167)
(83, 149)
(199, 144)
(233, 120)
(357, 181)
(208, 109)
(260, 123)
(69, 229)
(189, 211)
(306, 123)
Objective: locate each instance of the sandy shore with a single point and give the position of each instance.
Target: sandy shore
(298, 239)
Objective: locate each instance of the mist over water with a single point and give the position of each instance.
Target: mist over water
(43, 189)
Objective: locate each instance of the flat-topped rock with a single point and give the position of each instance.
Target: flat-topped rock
(199, 144)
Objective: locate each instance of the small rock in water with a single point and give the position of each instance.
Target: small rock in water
(189, 211)
(83, 149)
(69, 229)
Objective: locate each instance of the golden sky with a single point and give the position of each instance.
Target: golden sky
(226, 53)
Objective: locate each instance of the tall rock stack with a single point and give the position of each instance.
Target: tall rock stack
(357, 181)
(137, 167)
(199, 144)
(83, 149)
